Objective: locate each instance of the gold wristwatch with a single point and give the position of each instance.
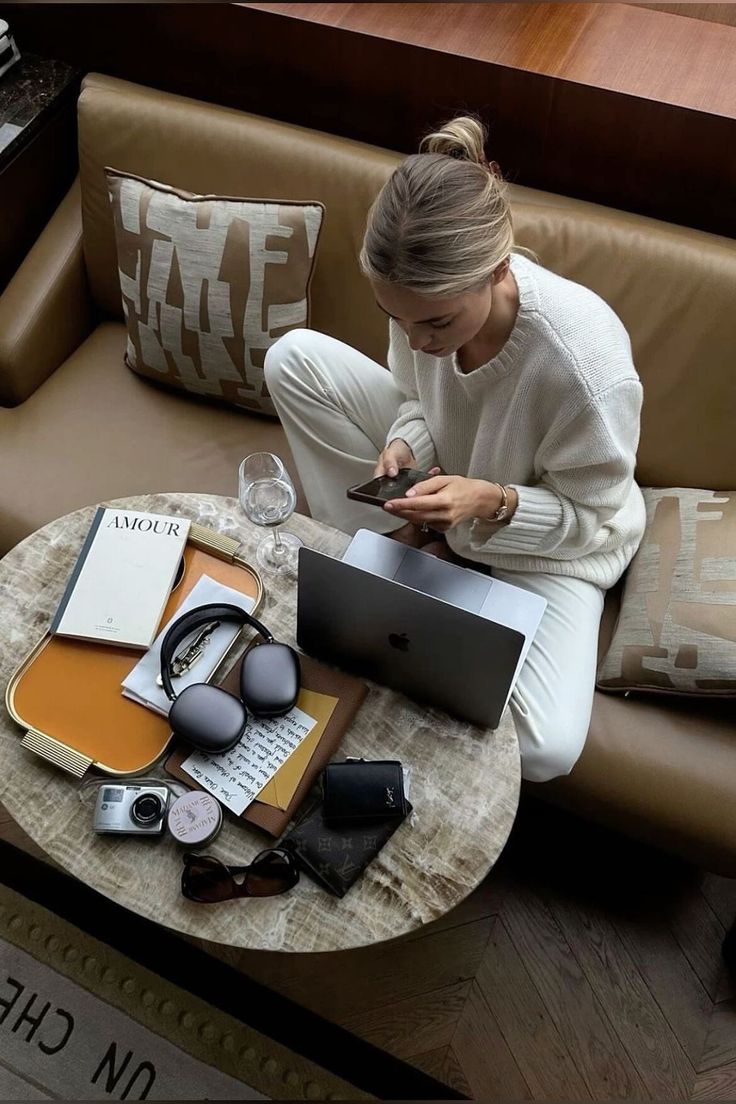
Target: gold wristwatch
(503, 509)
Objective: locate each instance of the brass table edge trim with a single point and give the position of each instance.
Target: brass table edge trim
(54, 751)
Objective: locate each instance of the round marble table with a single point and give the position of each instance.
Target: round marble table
(464, 780)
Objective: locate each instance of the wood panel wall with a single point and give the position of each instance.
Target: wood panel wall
(612, 103)
(714, 13)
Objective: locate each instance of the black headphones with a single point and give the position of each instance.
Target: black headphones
(212, 719)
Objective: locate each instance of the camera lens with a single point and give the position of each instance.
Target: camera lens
(146, 809)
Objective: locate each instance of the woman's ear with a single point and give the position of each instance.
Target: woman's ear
(500, 271)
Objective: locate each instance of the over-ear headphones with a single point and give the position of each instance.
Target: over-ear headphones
(212, 719)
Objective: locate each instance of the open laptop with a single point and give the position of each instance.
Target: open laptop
(441, 633)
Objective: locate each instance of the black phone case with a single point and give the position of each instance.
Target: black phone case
(359, 493)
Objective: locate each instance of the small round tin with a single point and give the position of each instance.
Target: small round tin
(195, 819)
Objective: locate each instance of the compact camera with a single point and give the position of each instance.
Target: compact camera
(131, 808)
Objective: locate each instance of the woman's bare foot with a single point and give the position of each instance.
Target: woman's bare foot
(412, 535)
(442, 550)
(432, 541)
(407, 534)
(439, 548)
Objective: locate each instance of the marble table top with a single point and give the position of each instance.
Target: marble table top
(28, 90)
(464, 780)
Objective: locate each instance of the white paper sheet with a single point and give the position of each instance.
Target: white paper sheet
(140, 683)
(237, 776)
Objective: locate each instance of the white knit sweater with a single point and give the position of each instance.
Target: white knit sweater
(555, 415)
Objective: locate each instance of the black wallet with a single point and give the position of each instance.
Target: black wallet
(363, 790)
(335, 857)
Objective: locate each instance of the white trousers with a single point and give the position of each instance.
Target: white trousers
(336, 406)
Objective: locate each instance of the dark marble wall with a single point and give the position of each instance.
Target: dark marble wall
(28, 92)
(38, 150)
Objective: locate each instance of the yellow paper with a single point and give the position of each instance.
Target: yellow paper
(282, 787)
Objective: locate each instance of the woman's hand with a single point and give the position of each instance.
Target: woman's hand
(446, 500)
(396, 454)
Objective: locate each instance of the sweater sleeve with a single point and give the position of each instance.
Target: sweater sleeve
(587, 474)
(409, 424)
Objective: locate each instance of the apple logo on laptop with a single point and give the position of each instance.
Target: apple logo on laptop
(400, 641)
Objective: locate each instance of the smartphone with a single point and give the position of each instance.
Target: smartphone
(383, 488)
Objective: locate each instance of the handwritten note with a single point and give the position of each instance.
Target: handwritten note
(237, 776)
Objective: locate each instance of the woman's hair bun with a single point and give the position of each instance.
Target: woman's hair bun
(463, 137)
(440, 226)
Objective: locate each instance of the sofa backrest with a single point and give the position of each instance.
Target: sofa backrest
(673, 288)
(208, 149)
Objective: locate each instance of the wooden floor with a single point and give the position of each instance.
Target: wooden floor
(586, 967)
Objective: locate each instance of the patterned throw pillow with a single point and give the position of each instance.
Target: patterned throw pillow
(676, 631)
(209, 283)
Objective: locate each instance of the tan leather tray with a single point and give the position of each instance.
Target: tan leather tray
(67, 695)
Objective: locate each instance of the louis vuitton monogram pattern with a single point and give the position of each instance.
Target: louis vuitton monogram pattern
(209, 283)
(676, 631)
(335, 856)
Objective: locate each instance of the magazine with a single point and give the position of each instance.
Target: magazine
(122, 578)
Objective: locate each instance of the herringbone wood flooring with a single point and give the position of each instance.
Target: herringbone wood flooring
(585, 967)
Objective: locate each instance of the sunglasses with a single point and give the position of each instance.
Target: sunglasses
(207, 880)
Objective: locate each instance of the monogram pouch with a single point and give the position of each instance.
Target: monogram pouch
(335, 857)
(361, 790)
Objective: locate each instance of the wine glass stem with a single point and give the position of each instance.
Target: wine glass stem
(278, 544)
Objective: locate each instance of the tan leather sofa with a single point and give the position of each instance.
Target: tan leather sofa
(77, 427)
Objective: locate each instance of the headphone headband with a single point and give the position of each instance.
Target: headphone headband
(194, 619)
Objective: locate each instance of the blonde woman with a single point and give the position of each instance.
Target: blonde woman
(515, 382)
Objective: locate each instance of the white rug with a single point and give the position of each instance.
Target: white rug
(79, 1020)
(58, 1040)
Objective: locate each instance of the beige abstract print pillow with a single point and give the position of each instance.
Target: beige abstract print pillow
(209, 283)
(676, 631)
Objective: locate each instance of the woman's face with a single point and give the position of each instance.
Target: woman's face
(436, 326)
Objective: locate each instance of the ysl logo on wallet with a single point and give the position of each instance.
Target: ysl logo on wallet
(390, 796)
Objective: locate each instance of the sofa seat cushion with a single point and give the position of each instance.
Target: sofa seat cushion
(94, 431)
(655, 768)
(660, 769)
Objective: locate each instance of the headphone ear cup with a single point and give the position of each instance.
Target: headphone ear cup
(270, 676)
(208, 718)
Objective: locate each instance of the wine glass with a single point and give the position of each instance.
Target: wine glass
(268, 498)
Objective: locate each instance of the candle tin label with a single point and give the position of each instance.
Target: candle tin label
(195, 819)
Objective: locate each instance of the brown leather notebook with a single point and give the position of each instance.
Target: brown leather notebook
(349, 692)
